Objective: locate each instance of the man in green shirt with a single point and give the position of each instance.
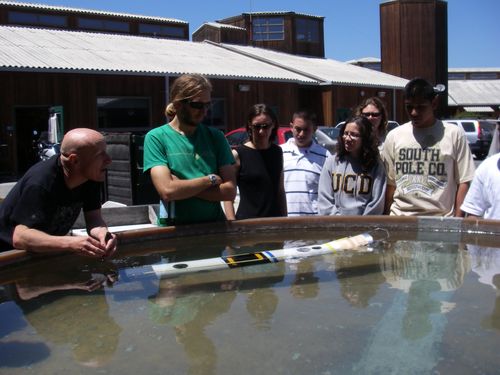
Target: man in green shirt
(191, 165)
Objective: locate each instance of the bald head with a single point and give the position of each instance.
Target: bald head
(79, 140)
(83, 156)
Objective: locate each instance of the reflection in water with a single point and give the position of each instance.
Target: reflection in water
(256, 282)
(190, 309)
(359, 276)
(412, 307)
(191, 306)
(428, 273)
(84, 324)
(305, 283)
(486, 263)
(53, 305)
(493, 321)
(262, 300)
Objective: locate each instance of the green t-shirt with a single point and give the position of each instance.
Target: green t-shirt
(188, 157)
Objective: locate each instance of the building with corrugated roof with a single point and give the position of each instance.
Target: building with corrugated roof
(119, 82)
(473, 90)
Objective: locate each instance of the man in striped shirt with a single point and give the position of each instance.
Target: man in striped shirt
(303, 160)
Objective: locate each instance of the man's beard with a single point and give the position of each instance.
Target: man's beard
(186, 118)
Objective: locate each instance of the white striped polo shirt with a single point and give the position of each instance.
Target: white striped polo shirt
(302, 168)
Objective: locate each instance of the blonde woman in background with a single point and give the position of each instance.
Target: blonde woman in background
(374, 110)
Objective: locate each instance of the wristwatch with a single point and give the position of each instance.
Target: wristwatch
(213, 179)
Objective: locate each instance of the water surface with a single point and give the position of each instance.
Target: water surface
(405, 307)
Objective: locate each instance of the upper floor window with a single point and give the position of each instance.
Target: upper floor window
(268, 28)
(307, 30)
(456, 75)
(104, 25)
(162, 30)
(25, 18)
(483, 75)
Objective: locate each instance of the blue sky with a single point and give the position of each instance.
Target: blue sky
(352, 27)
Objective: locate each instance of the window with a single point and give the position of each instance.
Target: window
(268, 28)
(162, 30)
(483, 75)
(456, 75)
(216, 114)
(123, 112)
(307, 30)
(37, 19)
(468, 127)
(105, 25)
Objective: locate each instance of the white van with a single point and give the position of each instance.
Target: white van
(479, 134)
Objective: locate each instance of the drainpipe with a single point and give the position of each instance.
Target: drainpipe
(394, 109)
(167, 93)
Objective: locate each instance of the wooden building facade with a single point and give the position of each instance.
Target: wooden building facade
(220, 33)
(113, 91)
(127, 103)
(289, 32)
(414, 42)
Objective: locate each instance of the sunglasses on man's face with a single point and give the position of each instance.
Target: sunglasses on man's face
(198, 105)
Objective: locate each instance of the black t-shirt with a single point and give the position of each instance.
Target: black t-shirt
(41, 200)
(259, 182)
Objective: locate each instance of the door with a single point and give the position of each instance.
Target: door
(27, 120)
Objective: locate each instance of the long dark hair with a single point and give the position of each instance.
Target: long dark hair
(257, 110)
(369, 142)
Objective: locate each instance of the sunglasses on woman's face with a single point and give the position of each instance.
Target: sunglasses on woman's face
(371, 114)
(198, 105)
(263, 126)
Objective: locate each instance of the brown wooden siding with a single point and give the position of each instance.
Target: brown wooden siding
(234, 36)
(220, 35)
(207, 32)
(414, 41)
(414, 38)
(281, 96)
(76, 93)
(289, 43)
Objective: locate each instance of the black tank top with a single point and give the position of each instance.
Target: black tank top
(258, 182)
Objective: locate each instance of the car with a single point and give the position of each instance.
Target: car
(479, 134)
(327, 136)
(239, 136)
(391, 125)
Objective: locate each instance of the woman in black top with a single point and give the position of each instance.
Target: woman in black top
(259, 169)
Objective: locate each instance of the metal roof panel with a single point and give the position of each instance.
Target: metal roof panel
(328, 70)
(479, 109)
(25, 48)
(474, 92)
